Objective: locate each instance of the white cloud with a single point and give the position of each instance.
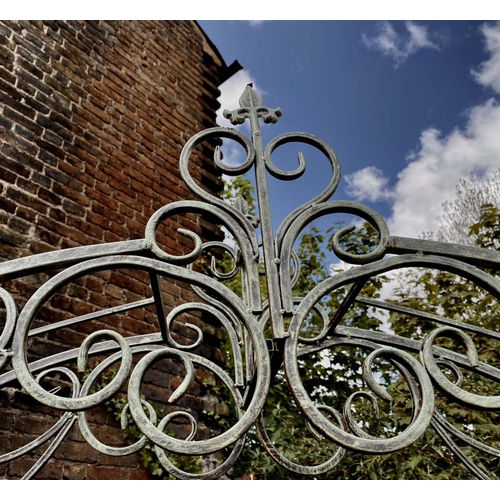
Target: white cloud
(489, 72)
(232, 153)
(397, 46)
(369, 184)
(433, 171)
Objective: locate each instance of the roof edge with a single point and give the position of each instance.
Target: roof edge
(226, 71)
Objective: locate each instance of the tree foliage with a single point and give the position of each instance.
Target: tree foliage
(471, 195)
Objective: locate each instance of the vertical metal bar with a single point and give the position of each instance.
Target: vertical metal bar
(271, 262)
(159, 304)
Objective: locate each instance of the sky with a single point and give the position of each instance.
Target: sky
(410, 107)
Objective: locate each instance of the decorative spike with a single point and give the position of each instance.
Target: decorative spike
(250, 98)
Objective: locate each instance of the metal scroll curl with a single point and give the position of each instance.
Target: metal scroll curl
(153, 353)
(453, 389)
(423, 379)
(244, 237)
(288, 239)
(219, 133)
(84, 400)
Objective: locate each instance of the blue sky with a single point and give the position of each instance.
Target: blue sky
(410, 107)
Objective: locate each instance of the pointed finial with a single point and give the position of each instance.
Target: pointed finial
(251, 100)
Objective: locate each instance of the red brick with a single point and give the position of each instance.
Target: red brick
(101, 472)
(139, 474)
(74, 471)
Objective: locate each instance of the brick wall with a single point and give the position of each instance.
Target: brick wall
(93, 116)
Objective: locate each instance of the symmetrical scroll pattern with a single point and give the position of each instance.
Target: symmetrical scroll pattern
(263, 325)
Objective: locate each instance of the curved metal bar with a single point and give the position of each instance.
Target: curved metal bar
(10, 317)
(474, 443)
(58, 259)
(487, 282)
(350, 418)
(306, 470)
(33, 445)
(193, 448)
(220, 470)
(353, 335)
(233, 252)
(34, 388)
(47, 454)
(180, 474)
(188, 358)
(284, 175)
(158, 437)
(454, 369)
(72, 354)
(233, 337)
(422, 394)
(114, 451)
(453, 390)
(296, 273)
(317, 308)
(428, 316)
(287, 239)
(459, 454)
(481, 257)
(218, 133)
(126, 364)
(243, 233)
(62, 427)
(41, 295)
(225, 310)
(8, 328)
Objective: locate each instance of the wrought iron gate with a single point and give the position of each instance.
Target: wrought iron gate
(257, 357)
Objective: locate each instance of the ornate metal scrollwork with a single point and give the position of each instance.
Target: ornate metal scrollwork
(256, 355)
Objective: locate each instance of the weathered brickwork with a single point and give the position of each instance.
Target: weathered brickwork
(93, 117)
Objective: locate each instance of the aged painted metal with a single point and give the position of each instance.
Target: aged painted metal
(256, 359)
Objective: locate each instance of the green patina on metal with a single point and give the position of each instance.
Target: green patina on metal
(245, 319)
